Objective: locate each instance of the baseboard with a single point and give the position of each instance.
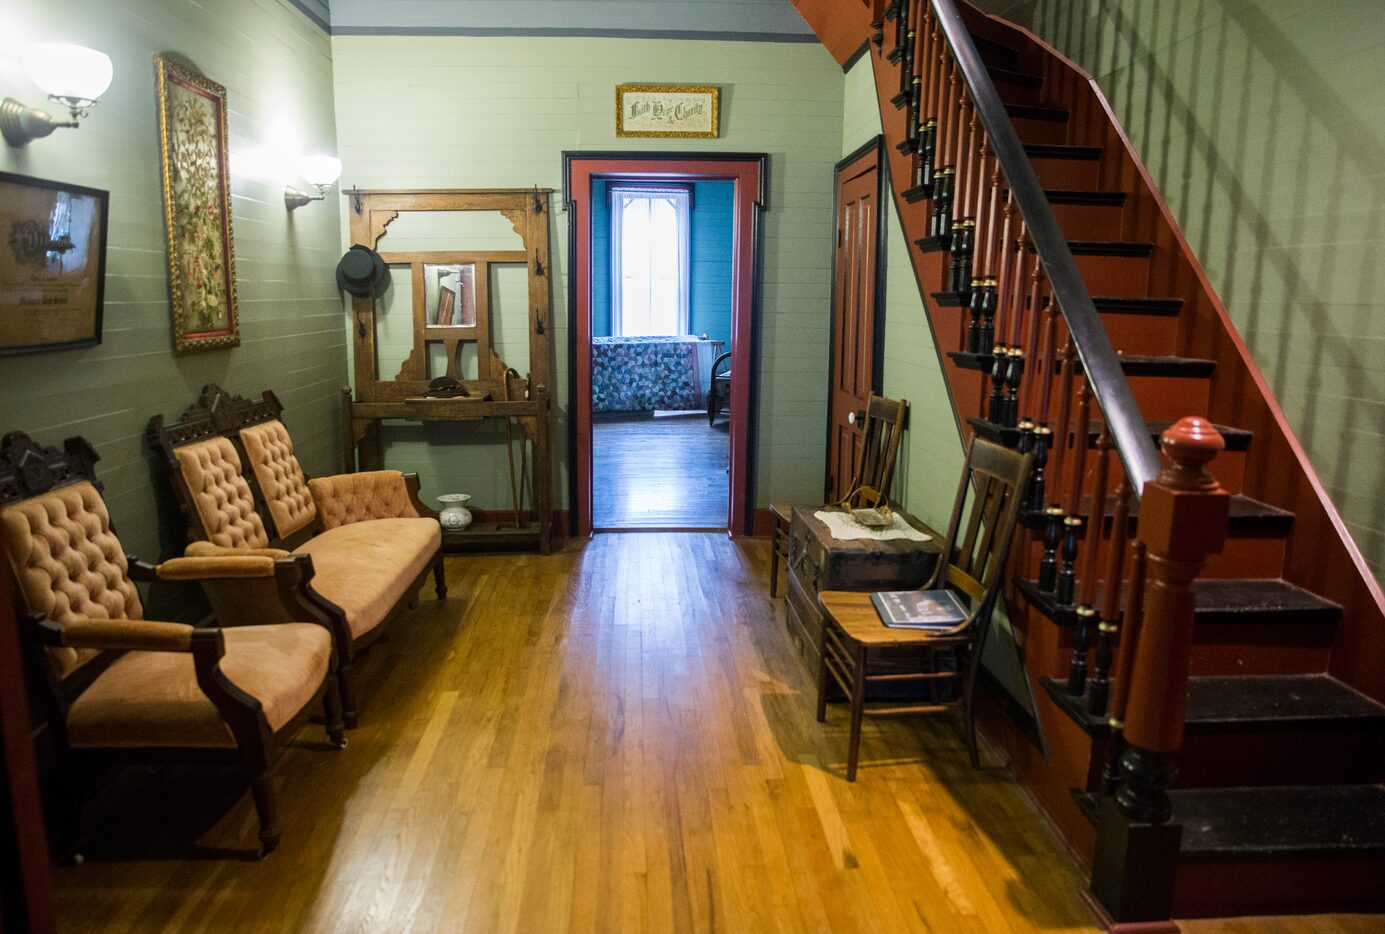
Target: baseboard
(761, 523)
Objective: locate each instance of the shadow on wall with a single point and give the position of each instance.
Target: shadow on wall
(1276, 179)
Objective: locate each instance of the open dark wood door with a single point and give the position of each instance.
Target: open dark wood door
(858, 318)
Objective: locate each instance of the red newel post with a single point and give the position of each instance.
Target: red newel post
(1183, 516)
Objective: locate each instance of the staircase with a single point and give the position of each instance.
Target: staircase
(1278, 788)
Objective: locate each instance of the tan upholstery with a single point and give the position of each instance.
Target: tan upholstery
(212, 471)
(280, 476)
(152, 699)
(68, 562)
(365, 567)
(355, 497)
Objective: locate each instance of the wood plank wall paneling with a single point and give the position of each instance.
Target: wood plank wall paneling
(1260, 123)
(277, 68)
(454, 111)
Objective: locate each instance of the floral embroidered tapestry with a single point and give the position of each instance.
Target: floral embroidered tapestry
(197, 208)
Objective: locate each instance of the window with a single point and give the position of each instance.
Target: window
(649, 261)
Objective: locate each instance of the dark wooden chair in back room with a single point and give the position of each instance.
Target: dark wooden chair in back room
(719, 396)
(855, 636)
(126, 689)
(882, 429)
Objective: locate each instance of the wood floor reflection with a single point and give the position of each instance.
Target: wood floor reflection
(666, 471)
(616, 738)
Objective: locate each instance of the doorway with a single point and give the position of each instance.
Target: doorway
(663, 264)
(856, 367)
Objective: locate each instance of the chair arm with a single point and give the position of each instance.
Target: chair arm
(373, 494)
(208, 550)
(229, 566)
(84, 632)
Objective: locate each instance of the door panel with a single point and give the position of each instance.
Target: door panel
(854, 362)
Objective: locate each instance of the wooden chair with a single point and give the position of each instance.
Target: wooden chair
(883, 429)
(719, 396)
(855, 638)
(362, 543)
(125, 689)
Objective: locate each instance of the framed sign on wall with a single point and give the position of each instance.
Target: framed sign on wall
(52, 264)
(197, 207)
(668, 111)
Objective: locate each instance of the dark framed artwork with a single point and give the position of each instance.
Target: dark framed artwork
(197, 208)
(52, 264)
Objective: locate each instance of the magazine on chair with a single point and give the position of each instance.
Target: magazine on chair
(920, 609)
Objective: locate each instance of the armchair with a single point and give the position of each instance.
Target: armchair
(127, 689)
(348, 551)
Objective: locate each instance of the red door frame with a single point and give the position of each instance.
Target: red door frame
(750, 173)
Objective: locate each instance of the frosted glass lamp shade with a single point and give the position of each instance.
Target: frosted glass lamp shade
(319, 171)
(73, 74)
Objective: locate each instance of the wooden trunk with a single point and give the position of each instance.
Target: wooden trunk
(819, 562)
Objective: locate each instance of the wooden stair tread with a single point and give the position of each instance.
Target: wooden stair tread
(1081, 196)
(1062, 151)
(1224, 600)
(1131, 364)
(1229, 703)
(1107, 248)
(1037, 112)
(1004, 75)
(1248, 517)
(1166, 307)
(1277, 821)
(1237, 439)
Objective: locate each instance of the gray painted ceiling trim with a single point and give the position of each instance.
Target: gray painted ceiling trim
(748, 20)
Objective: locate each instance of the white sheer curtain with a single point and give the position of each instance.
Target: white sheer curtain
(649, 261)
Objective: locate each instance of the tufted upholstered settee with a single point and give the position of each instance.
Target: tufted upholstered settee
(349, 550)
(130, 689)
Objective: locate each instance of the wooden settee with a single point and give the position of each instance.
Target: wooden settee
(350, 550)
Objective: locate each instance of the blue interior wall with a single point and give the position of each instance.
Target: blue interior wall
(710, 229)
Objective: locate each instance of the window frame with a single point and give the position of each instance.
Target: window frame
(684, 209)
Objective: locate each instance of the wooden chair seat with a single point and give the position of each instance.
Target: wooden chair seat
(855, 615)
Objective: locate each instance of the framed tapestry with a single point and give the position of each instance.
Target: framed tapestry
(52, 264)
(668, 111)
(197, 207)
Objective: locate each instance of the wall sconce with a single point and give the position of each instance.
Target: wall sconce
(321, 172)
(71, 75)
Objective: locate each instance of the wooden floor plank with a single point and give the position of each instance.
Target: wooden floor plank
(659, 472)
(617, 737)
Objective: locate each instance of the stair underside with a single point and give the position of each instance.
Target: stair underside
(1246, 702)
(1131, 364)
(1248, 517)
(1237, 439)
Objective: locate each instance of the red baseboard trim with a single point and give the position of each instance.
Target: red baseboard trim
(1127, 927)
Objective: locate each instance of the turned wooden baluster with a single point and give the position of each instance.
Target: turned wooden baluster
(1087, 618)
(1014, 373)
(1183, 516)
(901, 27)
(1099, 685)
(906, 55)
(1130, 641)
(1066, 591)
(1037, 494)
(879, 12)
(1053, 512)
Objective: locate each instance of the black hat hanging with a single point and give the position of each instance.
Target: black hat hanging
(362, 272)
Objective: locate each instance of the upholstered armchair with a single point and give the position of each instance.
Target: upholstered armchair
(125, 688)
(348, 550)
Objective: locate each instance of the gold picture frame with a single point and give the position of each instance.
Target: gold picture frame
(197, 207)
(668, 111)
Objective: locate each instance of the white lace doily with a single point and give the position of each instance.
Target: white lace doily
(846, 529)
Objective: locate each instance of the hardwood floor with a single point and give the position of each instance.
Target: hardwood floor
(665, 472)
(615, 738)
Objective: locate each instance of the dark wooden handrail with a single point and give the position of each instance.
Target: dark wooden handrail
(1099, 359)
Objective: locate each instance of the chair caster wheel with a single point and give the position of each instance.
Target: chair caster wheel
(339, 743)
(76, 859)
(262, 853)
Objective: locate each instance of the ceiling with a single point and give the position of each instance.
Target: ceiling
(763, 20)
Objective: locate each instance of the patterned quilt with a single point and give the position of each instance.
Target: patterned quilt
(640, 374)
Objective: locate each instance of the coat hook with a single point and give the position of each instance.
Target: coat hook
(538, 204)
(538, 265)
(357, 204)
(538, 323)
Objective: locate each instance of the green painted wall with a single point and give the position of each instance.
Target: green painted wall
(277, 69)
(1261, 124)
(930, 459)
(499, 112)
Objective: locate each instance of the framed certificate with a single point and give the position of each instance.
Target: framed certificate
(52, 264)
